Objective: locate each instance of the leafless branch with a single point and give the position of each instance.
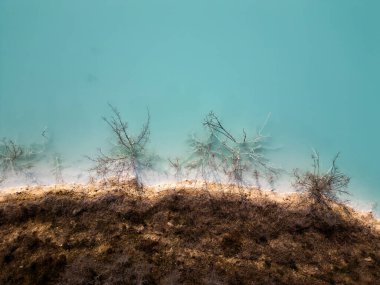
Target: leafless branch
(321, 188)
(177, 166)
(57, 168)
(129, 157)
(16, 159)
(222, 152)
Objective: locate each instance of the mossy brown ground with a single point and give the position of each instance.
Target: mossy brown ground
(110, 234)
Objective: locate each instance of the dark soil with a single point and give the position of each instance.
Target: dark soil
(180, 237)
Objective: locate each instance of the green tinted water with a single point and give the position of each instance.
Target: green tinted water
(313, 64)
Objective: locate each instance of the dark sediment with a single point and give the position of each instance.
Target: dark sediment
(183, 236)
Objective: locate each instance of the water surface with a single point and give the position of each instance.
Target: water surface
(313, 64)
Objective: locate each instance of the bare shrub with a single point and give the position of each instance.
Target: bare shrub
(57, 168)
(321, 188)
(206, 157)
(240, 159)
(129, 157)
(18, 160)
(177, 166)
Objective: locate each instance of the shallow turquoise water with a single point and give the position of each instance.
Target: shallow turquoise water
(314, 65)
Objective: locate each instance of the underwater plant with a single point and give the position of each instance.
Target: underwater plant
(57, 168)
(129, 156)
(10, 156)
(237, 158)
(321, 188)
(206, 157)
(177, 166)
(18, 159)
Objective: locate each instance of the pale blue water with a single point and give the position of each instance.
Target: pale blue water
(314, 65)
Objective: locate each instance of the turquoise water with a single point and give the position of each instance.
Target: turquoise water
(314, 65)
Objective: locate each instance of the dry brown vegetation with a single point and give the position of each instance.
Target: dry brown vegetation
(112, 234)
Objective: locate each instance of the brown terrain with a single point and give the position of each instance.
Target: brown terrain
(182, 234)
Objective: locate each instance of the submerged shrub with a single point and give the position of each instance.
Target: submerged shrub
(177, 166)
(57, 168)
(18, 160)
(206, 157)
(321, 187)
(240, 159)
(129, 156)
